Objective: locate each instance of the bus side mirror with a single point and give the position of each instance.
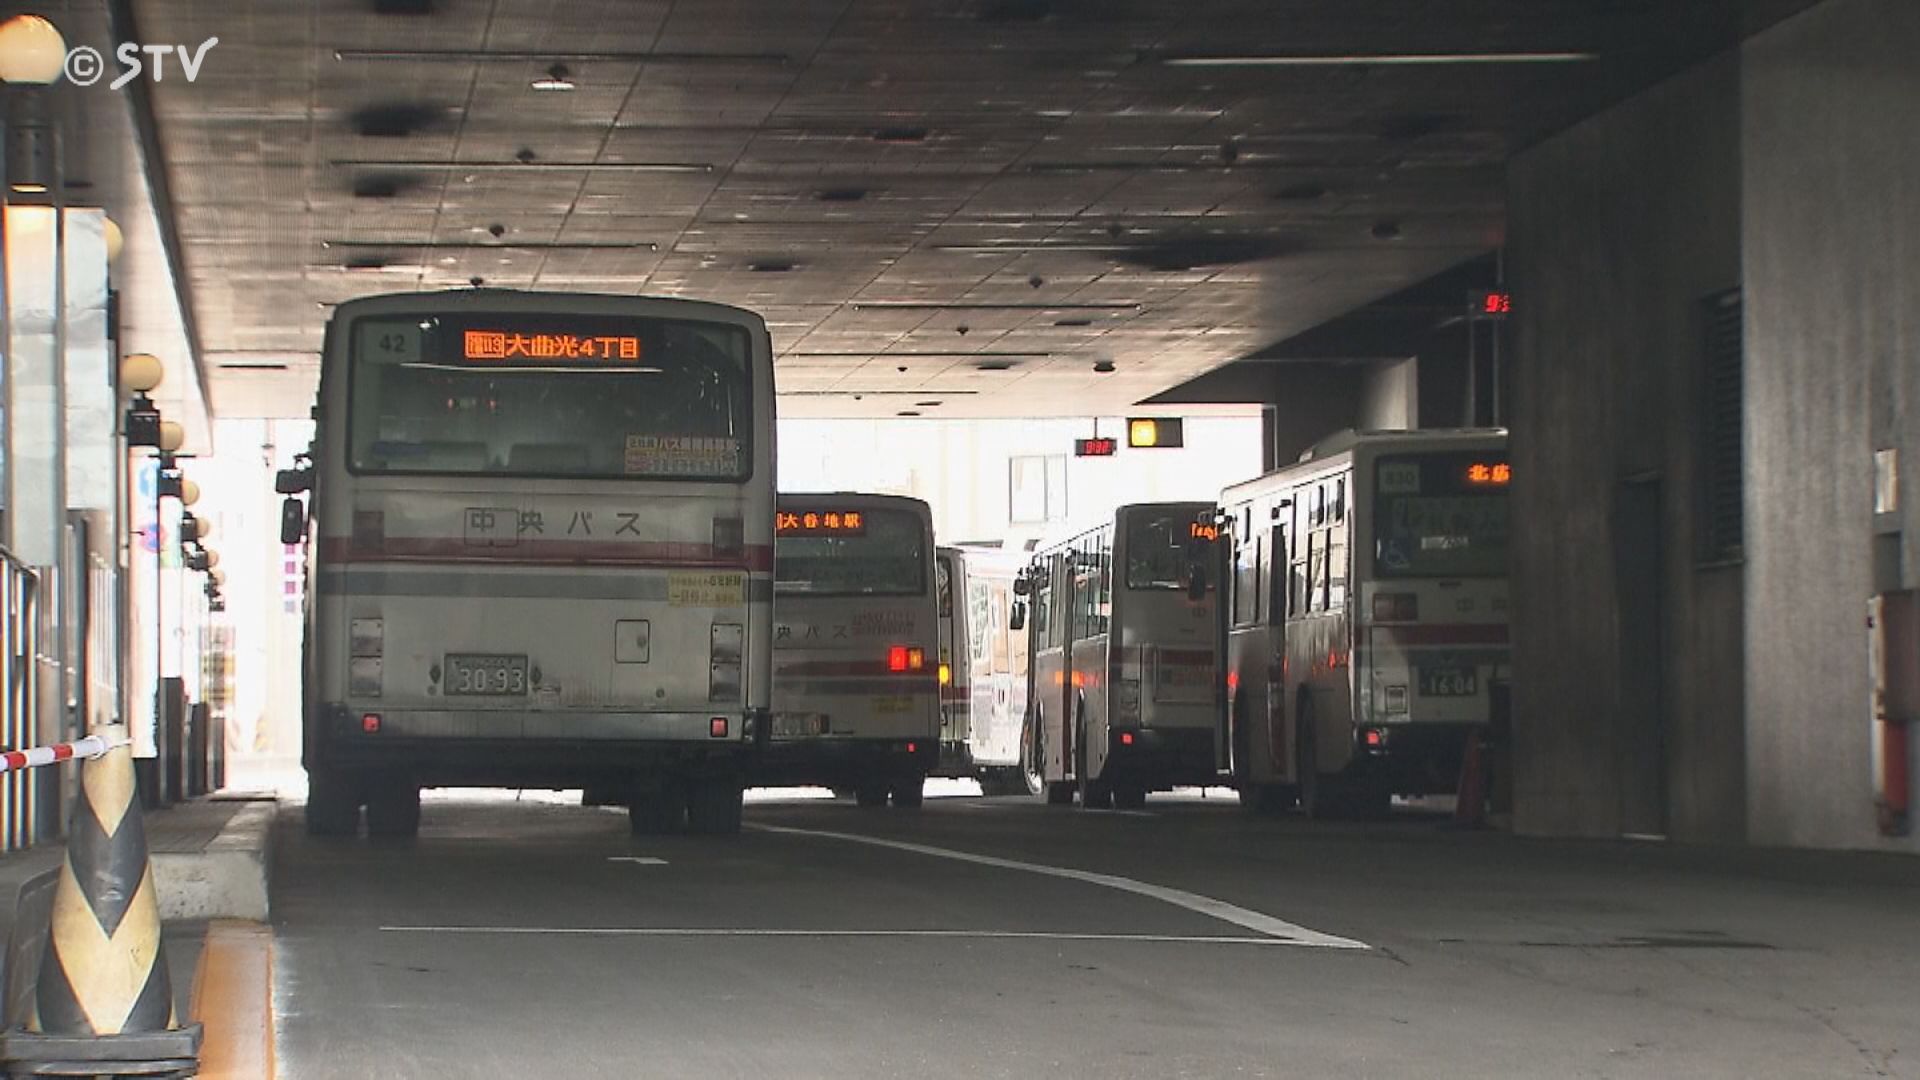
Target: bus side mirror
(293, 521)
(1197, 581)
(1017, 618)
(296, 480)
(1021, 587)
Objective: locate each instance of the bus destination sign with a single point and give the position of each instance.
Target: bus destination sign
(821, 523)
(485, 345)
(1485, 474)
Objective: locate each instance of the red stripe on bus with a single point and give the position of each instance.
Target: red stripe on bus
(547, 552)
(1448, 634)
(850, 668)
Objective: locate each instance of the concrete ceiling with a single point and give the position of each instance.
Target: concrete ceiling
(961, 202)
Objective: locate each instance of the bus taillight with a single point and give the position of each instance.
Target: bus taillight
(916, 659)
(1396, 607)
(946, 675)
(370, 723)
(897, 658)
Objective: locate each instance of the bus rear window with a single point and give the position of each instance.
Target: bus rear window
(887, 558)
(543, 394)
(1164, 545)
(1441, 515)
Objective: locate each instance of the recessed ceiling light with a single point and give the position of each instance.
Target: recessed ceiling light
(906, 412)
(556, 79)
(995, 365)
(900, 134)
(1103, 367)
(842, 194)
(1073, 322)
(926, 404)
(770, 266)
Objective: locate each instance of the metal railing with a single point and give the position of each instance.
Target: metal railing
(19, 699)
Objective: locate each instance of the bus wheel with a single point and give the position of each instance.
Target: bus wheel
(909, 792)
(657, 811)
(714, 807)
(333, 804)
(1318, 799)
(393, 808)
(1129, 796)
(871, 793)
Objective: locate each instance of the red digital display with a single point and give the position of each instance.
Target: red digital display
(1491, 303)
(502, 345)
(820, 523)
(1095, 447)
(1489, 474)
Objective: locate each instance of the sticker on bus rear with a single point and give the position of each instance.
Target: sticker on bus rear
(706, 590)
(682, 455)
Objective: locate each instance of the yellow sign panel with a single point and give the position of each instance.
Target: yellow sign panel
(706, 589)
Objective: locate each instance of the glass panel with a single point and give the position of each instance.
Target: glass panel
(889, 559)
(553, 395)
(1441, 515)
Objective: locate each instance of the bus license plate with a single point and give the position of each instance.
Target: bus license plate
(492, 676)
(1448, 682)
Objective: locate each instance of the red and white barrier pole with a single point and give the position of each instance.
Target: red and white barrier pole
(87, 749)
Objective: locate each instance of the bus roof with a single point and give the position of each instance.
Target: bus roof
(528, 299)
(1343, 443)
(1117, 511)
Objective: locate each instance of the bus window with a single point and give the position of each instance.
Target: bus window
(999, 657)
(1277, 576)
(1246, 581)
(1157, 546)
(885, 560)
(665, 399)
(943, 584)
(1040, 626)
(1337, 567)
(1433, 517)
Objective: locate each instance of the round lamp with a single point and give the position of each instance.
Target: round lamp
(218, 577)
(213, 559)
(31, 51)
(189, 493)
(141, 372)
(116, 240)
(172, 437)
(202, 528)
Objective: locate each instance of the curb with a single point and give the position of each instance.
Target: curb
(225, 880)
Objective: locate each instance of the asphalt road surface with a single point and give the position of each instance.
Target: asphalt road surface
(999, 937)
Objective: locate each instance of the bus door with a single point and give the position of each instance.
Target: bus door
(1092, 604)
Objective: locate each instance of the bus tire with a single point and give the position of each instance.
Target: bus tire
(657, 811)
(1318, 798)
(333, 804)
(1129, 796)
(714, 806)
(870, 794)
(909, 792)
(393, 809)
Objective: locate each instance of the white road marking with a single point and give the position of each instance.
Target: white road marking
(1258, 922)
(751, 932)
(643, 860)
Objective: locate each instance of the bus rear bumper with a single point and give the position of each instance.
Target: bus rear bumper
(1414, 758)
(1160, 758)
(557, 750)
(843, 762)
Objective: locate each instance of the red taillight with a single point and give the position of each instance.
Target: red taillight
(912, 747)
(1396, 607)
(718, 727)
(897, 658)
(370, 723)
(1233, 681)
(1126, 738)
(1376, 738)
(916, 658)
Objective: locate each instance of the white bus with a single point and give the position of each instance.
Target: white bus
(856, 702)
(983, 668)
(542, 554)
(1123, 684)
(1366, 612)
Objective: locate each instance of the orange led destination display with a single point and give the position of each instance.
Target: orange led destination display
(1200, 531)
(1482, 474)
(485, 345)
(821, 523)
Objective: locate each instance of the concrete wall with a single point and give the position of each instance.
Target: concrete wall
(1831, 142)
(1627, 656)
(1390, 396)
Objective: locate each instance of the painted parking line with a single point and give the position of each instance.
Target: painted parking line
(771, 932)
(641, 860)
(1258, 922)
(232, 998)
